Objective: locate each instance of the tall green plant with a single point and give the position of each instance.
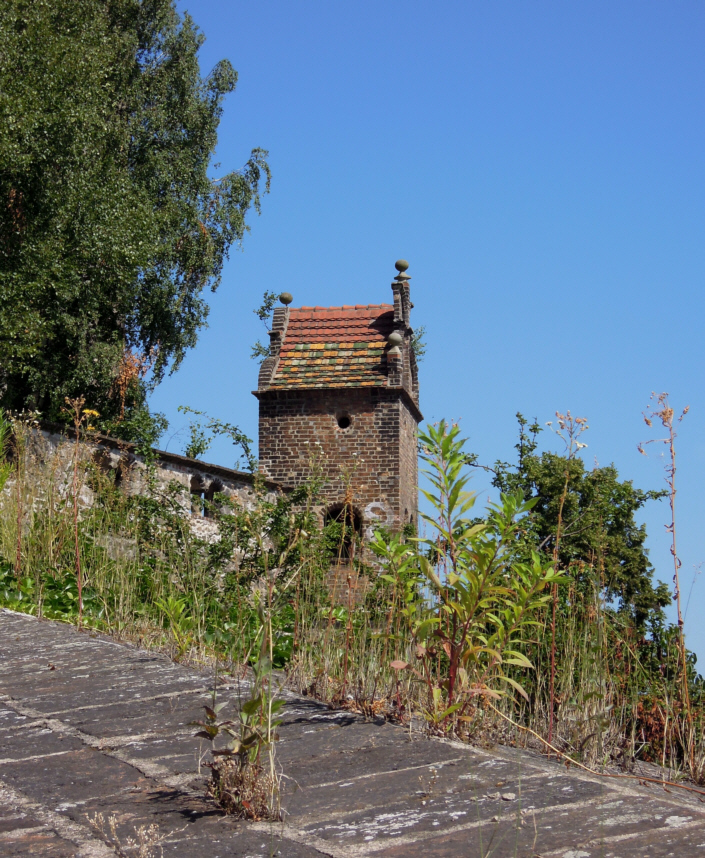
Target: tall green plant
(484, 598)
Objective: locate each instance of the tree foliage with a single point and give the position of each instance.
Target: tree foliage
(599, 534)
(110, 225)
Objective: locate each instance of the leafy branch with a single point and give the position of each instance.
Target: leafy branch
(204, 432)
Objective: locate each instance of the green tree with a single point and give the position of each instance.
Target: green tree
(599, 533)
(111, 227)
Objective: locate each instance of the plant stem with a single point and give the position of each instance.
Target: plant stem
(671, 478)
(554, 603)
(18, 482)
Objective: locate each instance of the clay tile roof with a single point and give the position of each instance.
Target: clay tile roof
(335, 347)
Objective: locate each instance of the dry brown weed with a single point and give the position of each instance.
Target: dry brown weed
(242, 791)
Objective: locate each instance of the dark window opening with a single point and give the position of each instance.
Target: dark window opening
(102, 461)
(344, 421)
(11, 448)
(349, 521)
(203, 498)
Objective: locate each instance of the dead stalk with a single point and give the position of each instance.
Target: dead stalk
(569, 429)
(661, 410)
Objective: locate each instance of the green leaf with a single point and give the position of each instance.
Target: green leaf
(252, 706)
(515, 685)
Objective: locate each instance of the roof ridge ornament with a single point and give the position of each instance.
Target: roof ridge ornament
(401, 265)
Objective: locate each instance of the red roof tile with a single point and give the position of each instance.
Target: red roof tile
(335, 346)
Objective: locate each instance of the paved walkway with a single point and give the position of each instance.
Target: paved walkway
(90, 726)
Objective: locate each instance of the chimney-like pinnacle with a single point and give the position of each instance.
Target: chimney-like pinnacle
(400, 289)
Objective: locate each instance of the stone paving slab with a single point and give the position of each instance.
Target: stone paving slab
(89, 726)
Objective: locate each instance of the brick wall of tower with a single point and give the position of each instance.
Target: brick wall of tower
(378, 450)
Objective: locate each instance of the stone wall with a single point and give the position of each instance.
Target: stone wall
(53, 448)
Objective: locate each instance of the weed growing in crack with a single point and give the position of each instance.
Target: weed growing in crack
(244, 780)
(146, 842)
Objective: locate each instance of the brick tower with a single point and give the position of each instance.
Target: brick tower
(341, 382)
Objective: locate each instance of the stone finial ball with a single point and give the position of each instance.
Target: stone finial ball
(395, 339)
(401, 265)
(286, 298)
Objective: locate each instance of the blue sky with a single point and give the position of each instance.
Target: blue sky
(541, 167)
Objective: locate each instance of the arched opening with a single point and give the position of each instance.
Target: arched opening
(198, 496)
(349, 529)
(216, 487)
